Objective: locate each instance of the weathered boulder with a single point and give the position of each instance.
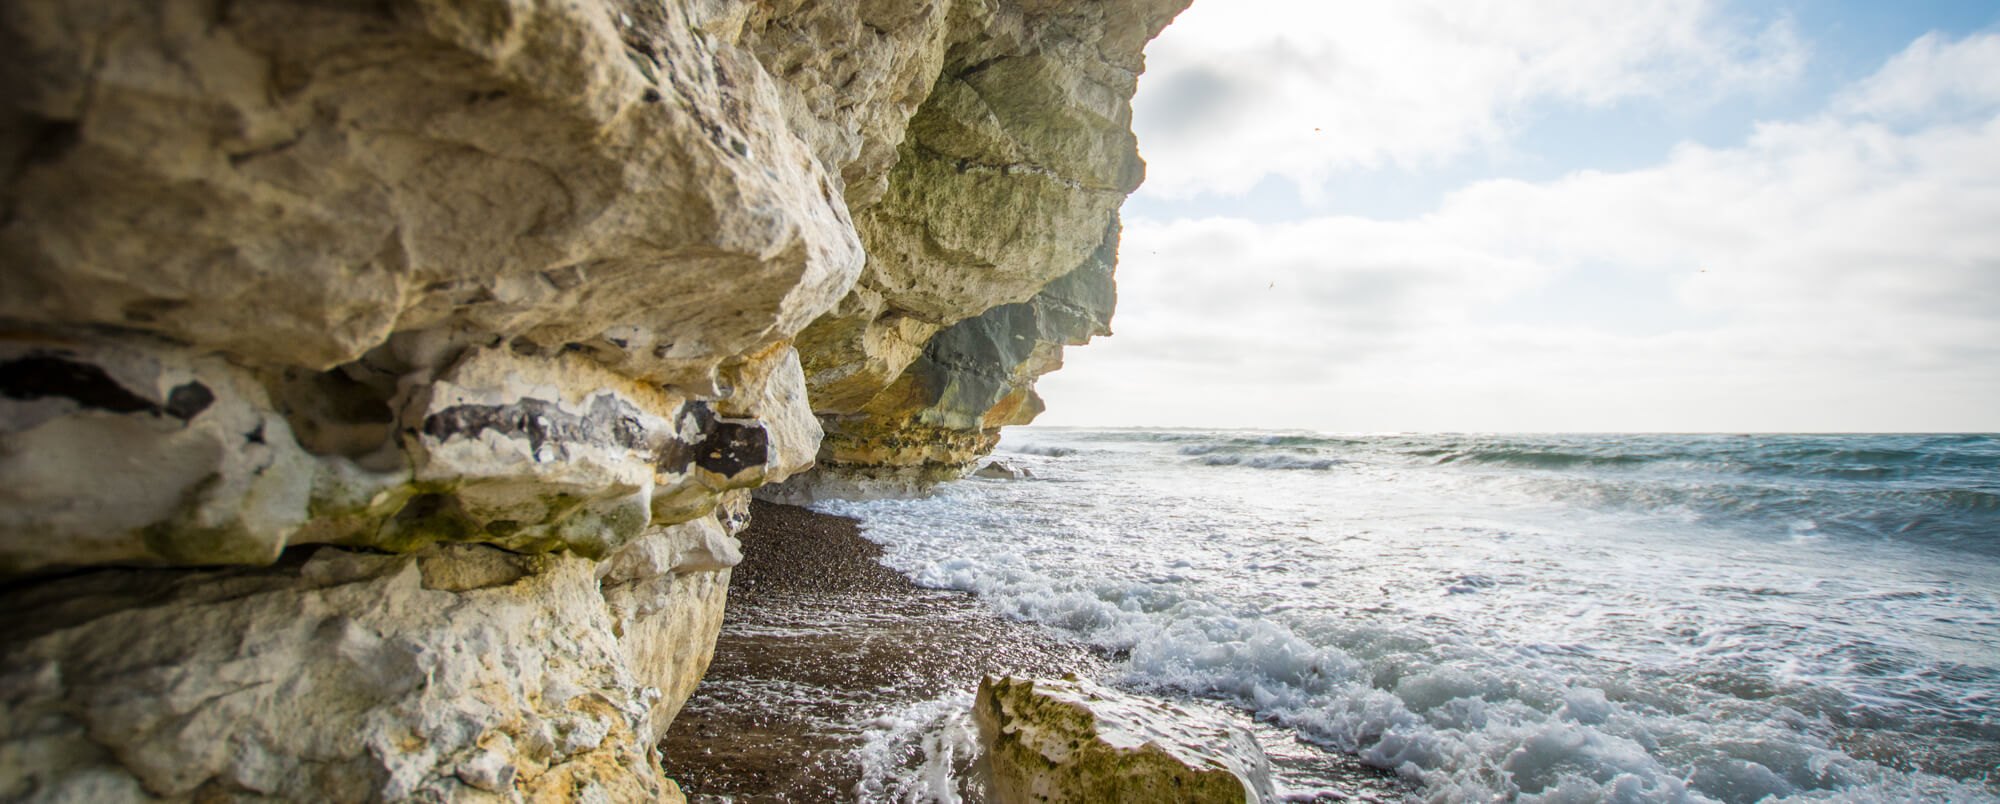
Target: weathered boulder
(454, 673)
(1002, 470)
(1073, 740)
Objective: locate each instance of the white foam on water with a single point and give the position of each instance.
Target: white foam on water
(1048, 451)
(1473, 632)
(1278, 461)
(917, 753)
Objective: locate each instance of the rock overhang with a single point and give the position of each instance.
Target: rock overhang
(504, 286)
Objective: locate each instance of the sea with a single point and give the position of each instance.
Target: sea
(1533, 618)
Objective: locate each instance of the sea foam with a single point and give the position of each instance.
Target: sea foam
(1489, 630)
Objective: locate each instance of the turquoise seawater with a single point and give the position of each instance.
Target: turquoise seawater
(1732, 618)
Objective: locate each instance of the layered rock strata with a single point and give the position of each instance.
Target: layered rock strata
(381, 385)
(912, 377)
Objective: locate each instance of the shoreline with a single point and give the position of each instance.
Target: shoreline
(819, 641)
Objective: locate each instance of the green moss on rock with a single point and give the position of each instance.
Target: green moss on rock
(1054, 741)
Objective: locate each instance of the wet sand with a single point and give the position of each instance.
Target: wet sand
(819, 639)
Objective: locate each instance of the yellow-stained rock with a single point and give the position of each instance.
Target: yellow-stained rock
(456, 673)
(1071, 741)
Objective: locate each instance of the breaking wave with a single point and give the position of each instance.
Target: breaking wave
(1539, 619)
(1273, 461)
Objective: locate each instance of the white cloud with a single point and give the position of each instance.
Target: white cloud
(1932, 76)
(1242, 90)
(1838, 272)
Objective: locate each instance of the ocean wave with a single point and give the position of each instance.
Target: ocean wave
(1961, 499)
(1268, 461)
(1585, 634)
(1469, 724)
(1545, 459)
(1044, 450)
(1833, 457)
(1959, 519)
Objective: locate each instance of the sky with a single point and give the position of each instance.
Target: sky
(1559, 215)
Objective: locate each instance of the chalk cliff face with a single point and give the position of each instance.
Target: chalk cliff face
(1009, 179)
(382, 383)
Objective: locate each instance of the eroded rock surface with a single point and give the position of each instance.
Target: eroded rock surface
(1073, 740)
(1031, 115)
(452, 673)
(381, 384)
(294, 182)
(119, 452)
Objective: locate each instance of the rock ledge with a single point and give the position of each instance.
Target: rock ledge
(1073, 740)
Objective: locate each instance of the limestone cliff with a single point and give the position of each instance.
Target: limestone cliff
(1008, 180)
(382, 383)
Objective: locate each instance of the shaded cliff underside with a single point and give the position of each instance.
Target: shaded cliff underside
(383, 385)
